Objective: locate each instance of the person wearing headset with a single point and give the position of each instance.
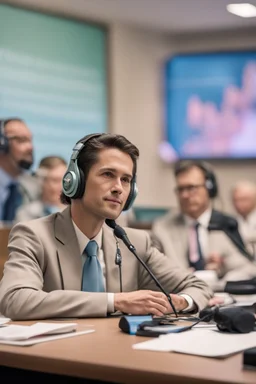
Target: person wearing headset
(64, 265)
(199, 237)
(16, 157)
(49, 174)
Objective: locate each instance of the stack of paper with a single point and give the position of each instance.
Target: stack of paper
(201, 342)
(37, 333)
(4, 320)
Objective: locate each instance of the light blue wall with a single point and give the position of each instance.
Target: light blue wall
(53, 75)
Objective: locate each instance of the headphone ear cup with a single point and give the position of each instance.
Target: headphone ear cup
(80, 186)
(211, 185)
(132, 195)
(71, 181)
(4, 145)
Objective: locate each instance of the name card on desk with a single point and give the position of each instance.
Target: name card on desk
(25, 335)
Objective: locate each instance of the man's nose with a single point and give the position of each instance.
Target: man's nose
(117, 187)
(29, 146)
(184, 194)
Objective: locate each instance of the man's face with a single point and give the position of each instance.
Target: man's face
(191, 192)
(20, 141)
(244, 201)
(108, 184)
(52, 184)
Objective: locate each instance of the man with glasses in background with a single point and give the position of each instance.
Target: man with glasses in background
(199, 237)
(16, 157)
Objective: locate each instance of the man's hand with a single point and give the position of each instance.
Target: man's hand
(179, 303)
(214, 262)
(148, 302)
(142, 303)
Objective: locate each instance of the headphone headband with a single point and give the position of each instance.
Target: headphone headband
(73, 182)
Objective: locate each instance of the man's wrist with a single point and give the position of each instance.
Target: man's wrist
(111, 301)
(190, 303)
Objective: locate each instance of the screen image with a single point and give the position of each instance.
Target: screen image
(53, 76)
(210, 106)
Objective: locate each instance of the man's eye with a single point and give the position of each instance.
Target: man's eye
(108, 174)
(126, 180)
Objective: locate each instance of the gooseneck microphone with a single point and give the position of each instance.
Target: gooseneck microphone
(121, 234)
(118, 261)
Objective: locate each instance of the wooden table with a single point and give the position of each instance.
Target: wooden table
(107, 355)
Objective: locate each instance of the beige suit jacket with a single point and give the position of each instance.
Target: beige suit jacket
(42, 277)
(170, 235)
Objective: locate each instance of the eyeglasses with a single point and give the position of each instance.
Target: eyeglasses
(192, 188)
(20, 139)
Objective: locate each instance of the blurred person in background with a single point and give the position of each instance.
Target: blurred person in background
(243, 196)
(199, 237)
(17, 185)
(50, 173)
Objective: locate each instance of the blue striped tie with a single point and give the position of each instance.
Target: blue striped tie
(92, 273)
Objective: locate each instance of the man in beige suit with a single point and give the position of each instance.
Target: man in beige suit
(196, 236)
(243, 196)
(52, 271)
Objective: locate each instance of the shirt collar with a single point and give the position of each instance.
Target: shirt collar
(203, 219)
(6, 179)
(84, 240)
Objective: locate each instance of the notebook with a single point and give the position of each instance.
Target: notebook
(38, 333)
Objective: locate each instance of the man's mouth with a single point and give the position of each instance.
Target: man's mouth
(115, 201)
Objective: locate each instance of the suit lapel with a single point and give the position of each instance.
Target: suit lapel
(68, 253)
(109, 251)
(179, 234)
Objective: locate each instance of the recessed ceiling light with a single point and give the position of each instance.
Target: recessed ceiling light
(242, 10)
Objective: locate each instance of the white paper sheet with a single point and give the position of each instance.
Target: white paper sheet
(37, 340)
(201, 342)
(4, 320)
(24, 332)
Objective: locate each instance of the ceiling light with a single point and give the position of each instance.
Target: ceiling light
(242, 10)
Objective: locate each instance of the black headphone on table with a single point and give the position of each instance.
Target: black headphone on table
(4, 144)
(73, 182)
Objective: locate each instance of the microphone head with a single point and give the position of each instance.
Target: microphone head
(111, 223)
(119, 232)
(206, 314)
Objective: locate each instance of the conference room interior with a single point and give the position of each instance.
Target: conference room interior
(140, 39)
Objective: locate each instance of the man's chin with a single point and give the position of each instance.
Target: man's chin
(112, 215)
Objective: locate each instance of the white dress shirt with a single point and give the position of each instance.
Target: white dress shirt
(84, 240)
(203, 232)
